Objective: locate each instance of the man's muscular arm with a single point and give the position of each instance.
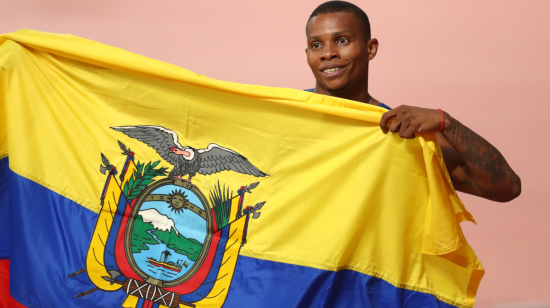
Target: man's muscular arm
(476, 167)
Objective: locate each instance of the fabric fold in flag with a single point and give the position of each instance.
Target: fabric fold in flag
(130, 182)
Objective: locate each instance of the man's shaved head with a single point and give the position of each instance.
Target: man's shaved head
(344, 7)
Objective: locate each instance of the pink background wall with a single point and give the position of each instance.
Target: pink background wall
(485, 62)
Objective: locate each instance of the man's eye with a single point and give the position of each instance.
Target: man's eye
(342, 40)
(315, 45)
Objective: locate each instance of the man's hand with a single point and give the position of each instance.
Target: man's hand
(475, 166)
(408, 121)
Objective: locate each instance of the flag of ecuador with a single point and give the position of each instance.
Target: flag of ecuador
(129, 182)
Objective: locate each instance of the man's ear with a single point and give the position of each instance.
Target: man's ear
(372, 46)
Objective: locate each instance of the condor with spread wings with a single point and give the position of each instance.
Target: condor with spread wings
(187, 160)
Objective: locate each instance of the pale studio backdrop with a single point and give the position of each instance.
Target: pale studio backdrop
(487, 63)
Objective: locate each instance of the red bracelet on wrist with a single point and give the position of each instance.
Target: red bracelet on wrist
(443, 120)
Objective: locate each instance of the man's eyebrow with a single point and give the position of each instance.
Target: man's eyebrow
(341, 32)
(313, 38)
(332, 34)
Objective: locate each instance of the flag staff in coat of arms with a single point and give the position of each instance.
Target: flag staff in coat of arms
(160, 238)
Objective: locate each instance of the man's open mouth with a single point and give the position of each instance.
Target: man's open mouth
(333, 71)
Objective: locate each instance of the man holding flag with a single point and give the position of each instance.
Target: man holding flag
(339, 48)
(353, 218)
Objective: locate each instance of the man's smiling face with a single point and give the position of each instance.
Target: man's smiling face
(337, 52)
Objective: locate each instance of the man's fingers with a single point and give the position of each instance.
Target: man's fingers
(403, 128)
(386, 119)
(409, 133)
(396, 124)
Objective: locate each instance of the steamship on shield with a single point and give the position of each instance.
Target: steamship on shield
(176, 267)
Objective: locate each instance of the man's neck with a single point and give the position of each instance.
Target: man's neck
(358, 96)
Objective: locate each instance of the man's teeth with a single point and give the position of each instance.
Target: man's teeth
(330, 70)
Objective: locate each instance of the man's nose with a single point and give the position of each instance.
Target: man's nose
(329, 52)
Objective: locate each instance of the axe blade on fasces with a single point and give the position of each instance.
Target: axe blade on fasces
(102, 169)
(256, 208)
(109, 279)
(114, 274)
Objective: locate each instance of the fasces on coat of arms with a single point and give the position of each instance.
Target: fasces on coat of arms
(162, 239)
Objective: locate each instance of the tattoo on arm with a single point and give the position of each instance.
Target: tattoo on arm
(476, 151)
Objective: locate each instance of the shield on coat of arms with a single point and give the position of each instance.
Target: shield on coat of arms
(168, 236)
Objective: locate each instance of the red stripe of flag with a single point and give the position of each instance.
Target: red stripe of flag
(6, 301)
